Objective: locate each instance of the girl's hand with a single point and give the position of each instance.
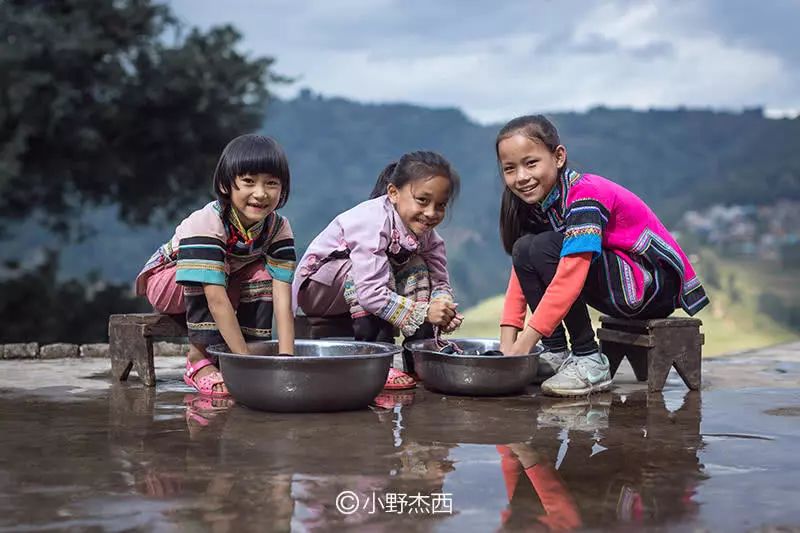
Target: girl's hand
(441, 312)
(508, 336)
(526, 455)
(454, 324)
(525, 343)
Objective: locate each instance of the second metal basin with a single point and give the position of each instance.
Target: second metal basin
(472, 375)
(324, 375)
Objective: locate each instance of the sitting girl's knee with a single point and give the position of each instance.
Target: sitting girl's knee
(529, 248)
(520, 253)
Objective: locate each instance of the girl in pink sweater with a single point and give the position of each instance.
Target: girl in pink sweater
(579, 239)
(383, 262)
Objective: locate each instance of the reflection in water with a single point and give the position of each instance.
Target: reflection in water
(148, 459)
(524, 469)
(628, 461)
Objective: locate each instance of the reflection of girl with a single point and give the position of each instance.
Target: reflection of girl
(561, 513)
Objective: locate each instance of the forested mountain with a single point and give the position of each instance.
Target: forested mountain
(675, 160)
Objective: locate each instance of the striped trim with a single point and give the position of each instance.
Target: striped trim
(193, 290)
(202, 326)
(583, 230)
(209, 276)
(256, 291)
(261, 333)
(397, 309)
(442, 293)
(283, 249)
(204, 248)
(201, 260)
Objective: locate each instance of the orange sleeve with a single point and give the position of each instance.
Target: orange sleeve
(562, 292)
(514, 306)
(562, 513)
(511, 468)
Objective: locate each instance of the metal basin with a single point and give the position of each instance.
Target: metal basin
(472, 375)
(324, 375)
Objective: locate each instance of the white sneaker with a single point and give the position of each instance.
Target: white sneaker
(579, 376)
(585, 414)
(549, 363)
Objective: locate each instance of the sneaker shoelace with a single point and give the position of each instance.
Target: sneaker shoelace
(571, 368)
(569, 361)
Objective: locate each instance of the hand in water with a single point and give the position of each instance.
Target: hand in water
(525, 454)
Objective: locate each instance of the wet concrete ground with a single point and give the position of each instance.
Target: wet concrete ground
(80, 454)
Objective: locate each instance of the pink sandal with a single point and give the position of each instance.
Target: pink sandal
(205, 384)
(388, 400)
(394, 375)
(201, 409)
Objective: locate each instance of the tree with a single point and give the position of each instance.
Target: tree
(115, 102)
(36, 306)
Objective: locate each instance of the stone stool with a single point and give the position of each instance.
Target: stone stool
(653, 347)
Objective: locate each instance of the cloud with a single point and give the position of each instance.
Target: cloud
(497, 60)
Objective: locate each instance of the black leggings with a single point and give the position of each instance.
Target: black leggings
(536, 258)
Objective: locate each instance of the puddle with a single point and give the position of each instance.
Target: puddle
(710, 437)
(134, 458)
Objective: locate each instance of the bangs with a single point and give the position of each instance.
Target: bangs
(251, 154)
(255, 154)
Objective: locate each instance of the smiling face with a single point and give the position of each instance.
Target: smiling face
(421, 203)
(254, 196)
(530, 170)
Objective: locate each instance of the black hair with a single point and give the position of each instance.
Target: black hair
(415, 166)
(516, 217)
(248, 155)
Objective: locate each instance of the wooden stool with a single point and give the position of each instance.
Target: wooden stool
(131, 337)
(130, 342)
(653, 347)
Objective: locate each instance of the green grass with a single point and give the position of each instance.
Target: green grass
(731, 322)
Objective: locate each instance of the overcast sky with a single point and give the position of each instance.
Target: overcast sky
(496, 59)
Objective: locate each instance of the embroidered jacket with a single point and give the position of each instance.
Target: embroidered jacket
(210, 244)
(594, 213)
(362, 236)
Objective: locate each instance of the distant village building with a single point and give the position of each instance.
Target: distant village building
(768, 232)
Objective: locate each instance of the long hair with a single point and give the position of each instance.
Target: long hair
(415, 166)
(516, 217)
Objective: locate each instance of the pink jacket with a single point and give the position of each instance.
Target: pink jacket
(362, 235)
(597, 214)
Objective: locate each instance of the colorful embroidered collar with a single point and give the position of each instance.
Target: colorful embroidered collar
(248, 235)
(560, 190)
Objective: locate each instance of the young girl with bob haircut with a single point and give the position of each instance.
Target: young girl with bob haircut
(230, 265)
(382, 261)
(576, 239)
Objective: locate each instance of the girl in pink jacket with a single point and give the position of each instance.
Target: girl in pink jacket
(576, 239)
(382, 261)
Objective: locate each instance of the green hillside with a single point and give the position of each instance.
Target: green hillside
(675, 160)
(731, 323)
